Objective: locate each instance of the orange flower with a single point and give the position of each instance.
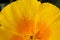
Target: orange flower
(30, 20)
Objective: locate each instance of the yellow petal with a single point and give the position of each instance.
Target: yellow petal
(49, 12)
(24, 18)
(55, 27)
(12, 13)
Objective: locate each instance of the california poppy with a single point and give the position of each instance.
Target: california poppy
(30, 20)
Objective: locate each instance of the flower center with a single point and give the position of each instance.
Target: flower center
(31, 37)
(26, 27)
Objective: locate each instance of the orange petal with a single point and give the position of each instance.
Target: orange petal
(25, 26)
(43, 32)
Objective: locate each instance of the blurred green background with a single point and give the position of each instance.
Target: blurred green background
(3, 3)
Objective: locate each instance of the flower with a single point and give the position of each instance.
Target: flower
(30, 20)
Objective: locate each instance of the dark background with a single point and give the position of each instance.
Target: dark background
(3, 3)
(54, 2)
(6, 1)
